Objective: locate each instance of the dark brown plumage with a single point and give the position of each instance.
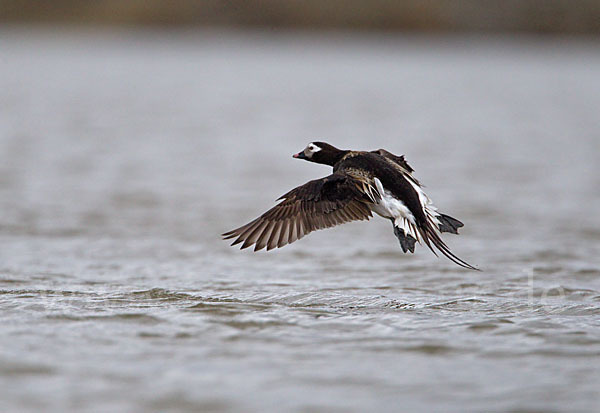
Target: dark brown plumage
(322, 203)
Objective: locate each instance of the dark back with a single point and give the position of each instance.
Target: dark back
(392, 180)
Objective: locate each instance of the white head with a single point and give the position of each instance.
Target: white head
(311, 149)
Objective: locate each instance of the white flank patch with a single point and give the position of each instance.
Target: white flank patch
(390, 207)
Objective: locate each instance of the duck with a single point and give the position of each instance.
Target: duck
(362, 183)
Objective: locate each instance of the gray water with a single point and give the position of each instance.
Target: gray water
(124, 155)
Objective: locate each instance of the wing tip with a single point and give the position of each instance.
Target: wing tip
(228, 234)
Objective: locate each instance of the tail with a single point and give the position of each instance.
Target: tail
(449, 224)
(429, 233)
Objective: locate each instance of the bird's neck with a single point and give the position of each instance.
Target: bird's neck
(334, 158)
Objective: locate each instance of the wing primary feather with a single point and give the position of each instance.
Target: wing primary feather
(300, 227)
(247, 232)
(284, 234)
(274, 238)
(318, 204)
(235, 232)
(251, 237)
(264, 237)
(293, 231)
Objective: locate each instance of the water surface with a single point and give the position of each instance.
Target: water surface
(124, 155)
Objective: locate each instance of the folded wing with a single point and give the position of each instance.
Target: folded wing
(398, 160)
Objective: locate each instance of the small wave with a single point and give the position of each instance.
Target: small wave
(24, 369)
(137, 318)
(28, 293)
(159, 294)
(433, 349)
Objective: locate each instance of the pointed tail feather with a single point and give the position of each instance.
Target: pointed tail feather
(430, 236)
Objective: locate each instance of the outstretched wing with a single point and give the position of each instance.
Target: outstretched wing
(322, 203)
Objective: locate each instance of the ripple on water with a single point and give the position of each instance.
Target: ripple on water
(488, 325)
(587, 273)
(227, 308)
(12, 368)
(137, 318)
(157, 294)
(115, 270)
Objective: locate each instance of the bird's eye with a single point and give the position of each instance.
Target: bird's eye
(311, 147)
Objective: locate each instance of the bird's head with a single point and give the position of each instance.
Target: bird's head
(321, 152)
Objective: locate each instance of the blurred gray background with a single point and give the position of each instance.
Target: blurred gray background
(133, 133)
(539, 16)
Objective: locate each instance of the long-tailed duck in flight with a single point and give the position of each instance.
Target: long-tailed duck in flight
(362, 182)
